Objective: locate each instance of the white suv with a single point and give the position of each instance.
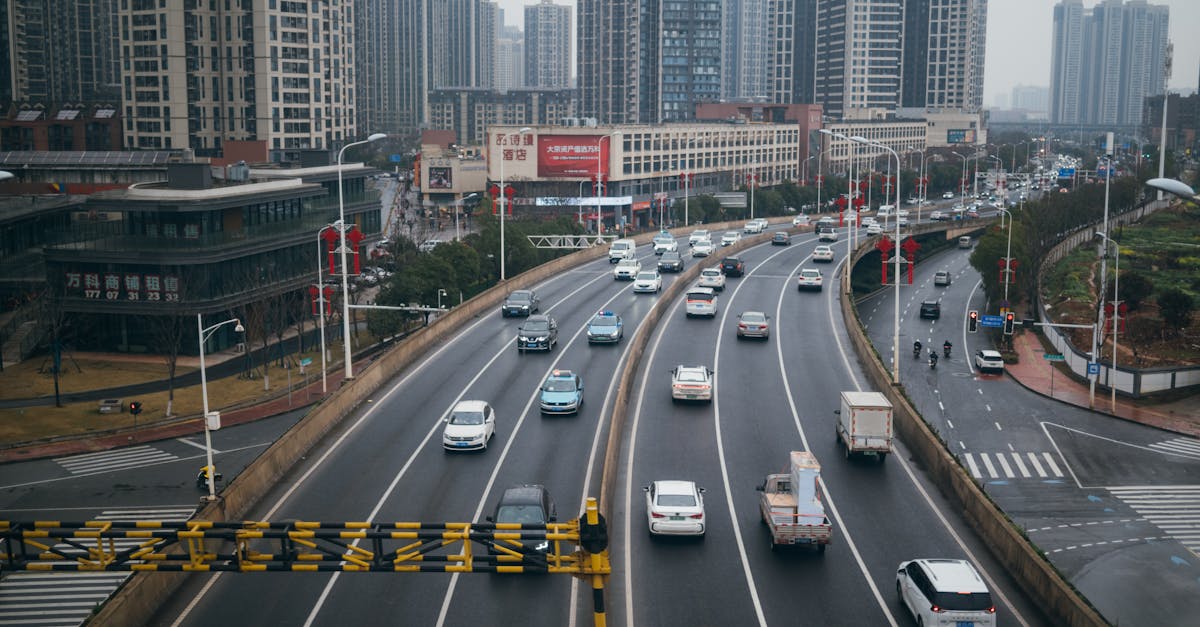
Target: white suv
(945, 592)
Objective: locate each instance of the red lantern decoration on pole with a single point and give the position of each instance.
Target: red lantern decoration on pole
(910, 247)
(884, 246)
(331, 236)
(355, 237)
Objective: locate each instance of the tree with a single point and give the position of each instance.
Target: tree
(1176, 307)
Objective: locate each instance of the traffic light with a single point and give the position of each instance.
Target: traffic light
(135, 407)
(1009, 320)
(972, 321)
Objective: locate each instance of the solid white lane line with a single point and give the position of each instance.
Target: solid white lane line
(337, 444)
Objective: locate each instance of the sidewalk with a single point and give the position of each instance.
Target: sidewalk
(301, 398)
(1036, 374)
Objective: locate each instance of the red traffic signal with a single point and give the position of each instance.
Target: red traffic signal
(135, 407)
(1009, 322)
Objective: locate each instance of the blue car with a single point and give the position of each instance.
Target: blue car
(562, 393)
(605, 328)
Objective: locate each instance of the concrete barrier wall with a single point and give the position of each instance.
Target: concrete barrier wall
(1036, 575)
(143, 593)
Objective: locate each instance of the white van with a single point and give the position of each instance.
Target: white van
(964, 241)
(701, 301)
(885, 211)
(622, 249)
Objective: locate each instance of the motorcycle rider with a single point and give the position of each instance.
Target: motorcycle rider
(946, 346)
(917, 348)
(933, 358)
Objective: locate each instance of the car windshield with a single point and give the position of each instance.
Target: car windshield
(524, 514)
(753, 317)
(535, 326)
(519, 297)
(672, 256)
(676, 500)
(560, 385)
(699, 296)
(663, 239)
(691, 376)
(604, 321)
(646, 276)
(466, 418)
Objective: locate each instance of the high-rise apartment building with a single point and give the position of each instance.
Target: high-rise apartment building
(944, 50)
(640, 66)
(60, 51)
(1106, 61)
(858, 54)
(747, 42)
(548, 45)
(281, 72)
(510, 59)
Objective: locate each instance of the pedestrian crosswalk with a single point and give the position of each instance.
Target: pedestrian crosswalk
(1174, 509)
(1187, 447)
(1013, 465)
(117, 459)
(61, 598)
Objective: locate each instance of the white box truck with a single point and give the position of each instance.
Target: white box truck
(792, 505)
(864, 424)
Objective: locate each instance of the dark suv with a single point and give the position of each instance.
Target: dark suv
(528, 504)
(537, 333)
(931, 309)
(671, 261)
(520, 303)
(733, 266)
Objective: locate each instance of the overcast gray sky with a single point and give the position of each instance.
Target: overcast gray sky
(1018, 46)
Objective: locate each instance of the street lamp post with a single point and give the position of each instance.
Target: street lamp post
(687, 182)
(1103, 274)
(374, 137)
(1112, 384)
(1007, 255)
(617, 217)
(962, 185)
(752, 179)
(202, 335)
(896, 314)
(441, 293)
(502, 198)
(462, 201)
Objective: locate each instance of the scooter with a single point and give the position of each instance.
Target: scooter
(932, 360)
(916, 351)
(202, 479)
(946, 350)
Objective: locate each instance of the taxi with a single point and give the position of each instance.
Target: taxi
(561, 393)
(605, 328)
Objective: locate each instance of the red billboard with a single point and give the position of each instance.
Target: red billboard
(572, 155)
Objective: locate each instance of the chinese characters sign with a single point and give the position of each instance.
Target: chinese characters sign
(572, 155)
(126, 286)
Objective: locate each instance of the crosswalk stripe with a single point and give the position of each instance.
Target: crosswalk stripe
(1004, 464)
(120, 459)
(1189, 447)
(1020, 465)
(974, 468)
(1053, 466)
(38, 598)
(1037, 466)
(987, 461)
(1173, 509)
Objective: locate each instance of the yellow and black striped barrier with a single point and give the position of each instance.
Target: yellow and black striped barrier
(577, 547)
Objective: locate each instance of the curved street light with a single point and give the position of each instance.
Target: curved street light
(374, 137)
(896, 316)
(202, 335)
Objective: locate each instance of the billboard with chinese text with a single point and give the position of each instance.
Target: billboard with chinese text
(960, 136)
(572, 156)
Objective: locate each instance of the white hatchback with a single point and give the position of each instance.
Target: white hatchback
(470, 426)
(701, 301)
(675, 508)
(712, 277)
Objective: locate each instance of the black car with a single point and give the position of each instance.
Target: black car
(520, 303)
(733, 266)
(931, 309)
(671, 261)
(528, 504)
(781, 238)
(537, 333)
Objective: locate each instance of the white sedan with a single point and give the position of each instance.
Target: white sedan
(627, 269)
(823, 253)
(697, 235)
(810, 279)
(470, 426)
(989, 360)
(691, 383)
(702, 248)
(730, 238)
(801, 220)
(712, 277)
(675, 508)
(874, 229)
(648, 282)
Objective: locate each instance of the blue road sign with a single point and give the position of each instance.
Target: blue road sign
(394, 158)
(1093, 368)
(991, 321)
(1066, 173)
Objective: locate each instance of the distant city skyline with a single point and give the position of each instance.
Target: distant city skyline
(1018, 42)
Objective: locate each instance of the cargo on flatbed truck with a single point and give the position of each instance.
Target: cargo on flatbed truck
(792, 505)
(864, 425)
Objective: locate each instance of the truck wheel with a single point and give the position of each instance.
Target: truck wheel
(774, 547)
(882, 456)
(821, 548)
(846, 449)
